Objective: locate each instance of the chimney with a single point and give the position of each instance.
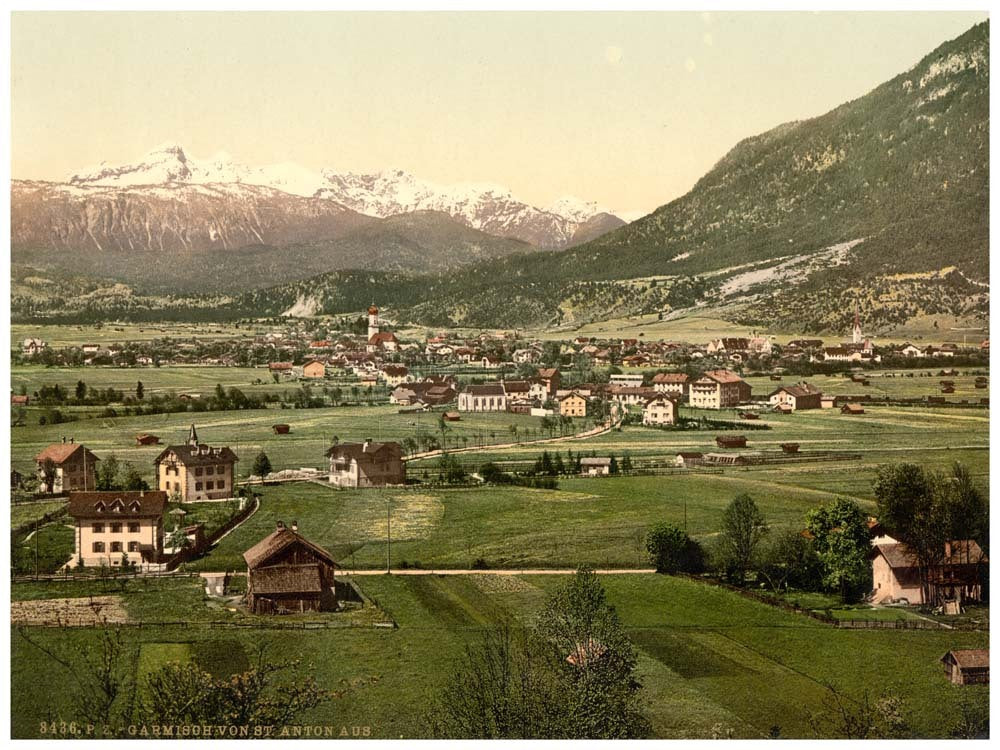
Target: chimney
(280, 526)
(367, 445)
(295, 525)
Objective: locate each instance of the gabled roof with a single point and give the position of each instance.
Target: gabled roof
(382, 337)
(548, 372)
(671, 377)
(198, 455)
(278, 540)
(973, 658)
(722, 376)
(148, 504)
(486, 389)
(359, 451)
(963, 552)
(61, 452)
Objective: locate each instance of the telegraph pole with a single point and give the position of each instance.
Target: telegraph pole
(388, 536)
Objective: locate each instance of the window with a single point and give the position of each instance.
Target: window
(133, 527)
(98, 547)
(210, 470)
(197, 485)
(116, 546)
(116, 528)
(97, 528)
(198, 472)
(209, 485)
(221, 484)
(133, 546)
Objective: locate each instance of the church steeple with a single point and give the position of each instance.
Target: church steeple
(193, 436)
(857, 325)
(373, 322)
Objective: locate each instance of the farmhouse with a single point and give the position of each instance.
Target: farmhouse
(196, 471)
(688, 458)
(573, 404)
(19, 400)
(717, 389)
(659, 410)
(366, 464)
(729, 345)
(595, 466)
(798, 396)
(114, 526)
(32, 346)
(487, 397)
(74, 467)
(967, 666)
(671, 382)
(395, 374)
(287, 573)
(896, 573)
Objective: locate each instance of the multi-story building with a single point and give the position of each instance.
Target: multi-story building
(114, 526)
(573, 405)
(798, 396)
(366, 464)
(718, 389)
(659, 410)
(73, 467)
(671, 382)
(195, 471)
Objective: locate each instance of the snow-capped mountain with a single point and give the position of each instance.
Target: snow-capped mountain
(484, 206)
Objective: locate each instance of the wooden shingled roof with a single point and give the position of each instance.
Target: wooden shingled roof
(278, 540)
(976, 658)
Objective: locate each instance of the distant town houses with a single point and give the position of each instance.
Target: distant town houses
(66, 467)
(367, 464)
(195, 471)
(112, 528)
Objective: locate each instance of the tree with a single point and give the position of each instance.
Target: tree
(613, 468)
(107, 474)
(81, 390)
(557, 464)
(672, 550)
(49, 474)
(547, 467)
(261, 465)
(626, 463)
(131, 480)
(866, 718)
(140, 390)
(597, 661)
(743, 528)
(842, 542)
(268, 694)
(790, 560)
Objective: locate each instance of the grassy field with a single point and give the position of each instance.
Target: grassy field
(248, 432)
(910, 383)
(709, 659)
(23, 513)
(600, 522)
(70, 335)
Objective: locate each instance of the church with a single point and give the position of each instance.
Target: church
(379, 341)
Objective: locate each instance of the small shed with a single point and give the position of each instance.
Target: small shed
(783, 408)
(790, 447)
(827, 402)
(852, 409)
(281, 429)
(749, 415)
(452, 416)
(776, 378)
(967, 666)
(145, 439)
(731, 441)
(595, 466)
(689, 458)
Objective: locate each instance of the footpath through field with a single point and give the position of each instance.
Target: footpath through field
(592, 432)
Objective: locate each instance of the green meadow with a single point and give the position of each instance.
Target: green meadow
(710, 660)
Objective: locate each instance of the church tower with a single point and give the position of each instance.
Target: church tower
(372, 321)
(857, 325)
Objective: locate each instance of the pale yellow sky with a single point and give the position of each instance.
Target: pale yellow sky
(628, 109)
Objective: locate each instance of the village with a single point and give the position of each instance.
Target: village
(312, 467)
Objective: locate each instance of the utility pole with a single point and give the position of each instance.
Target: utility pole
(388, 536)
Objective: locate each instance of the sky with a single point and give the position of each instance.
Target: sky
(626, 109)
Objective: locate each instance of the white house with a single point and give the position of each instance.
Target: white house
(659, 410)
(486, 397)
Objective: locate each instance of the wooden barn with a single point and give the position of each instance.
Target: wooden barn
(967, 667)
(731, 441)
(287, 573)
(281, 429)
(790, 447)
(145, 439)
(852, 409)
(452, 416)
(749, 415)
